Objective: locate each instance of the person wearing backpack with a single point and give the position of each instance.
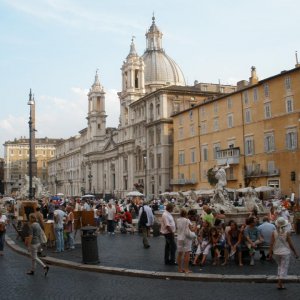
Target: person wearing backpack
(146, 220)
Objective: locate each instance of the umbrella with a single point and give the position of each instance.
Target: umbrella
(165, 194)
(174, 194)
(88, 196)
(134, 194)
(187, 193)
(204, 192)
(60, 194)
(264, 189)
(8, 199)
(244, 190)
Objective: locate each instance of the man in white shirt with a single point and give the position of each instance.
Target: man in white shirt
(111, 213)
(168, 228)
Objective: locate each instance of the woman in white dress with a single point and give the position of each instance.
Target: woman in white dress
(184, 243)
(280, 247)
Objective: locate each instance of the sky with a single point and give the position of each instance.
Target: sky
(55, 47)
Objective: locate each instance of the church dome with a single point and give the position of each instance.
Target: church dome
(160, 69)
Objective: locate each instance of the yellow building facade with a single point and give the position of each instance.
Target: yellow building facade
(16, 157)
(254, 129)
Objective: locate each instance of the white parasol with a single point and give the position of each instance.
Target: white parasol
(134, 194)
(264, 189)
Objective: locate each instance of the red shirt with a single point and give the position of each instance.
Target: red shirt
(128, 217)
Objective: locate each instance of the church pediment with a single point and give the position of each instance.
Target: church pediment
(110, 145)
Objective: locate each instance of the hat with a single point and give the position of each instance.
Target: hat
(281, 222)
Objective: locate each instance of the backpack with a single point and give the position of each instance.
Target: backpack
(143, 219)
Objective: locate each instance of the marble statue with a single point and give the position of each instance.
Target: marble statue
(36, 185)
(220, 198)
(252, 201)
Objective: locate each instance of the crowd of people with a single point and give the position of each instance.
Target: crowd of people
(190, 240)
(271, 238)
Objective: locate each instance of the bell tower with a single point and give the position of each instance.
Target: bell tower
(133, 82)
(96, 110)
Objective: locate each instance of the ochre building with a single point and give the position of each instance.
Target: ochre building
(254, 129)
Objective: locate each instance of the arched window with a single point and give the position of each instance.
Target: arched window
(136, 79)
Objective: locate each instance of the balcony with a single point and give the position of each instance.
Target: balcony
(182, 181)
(262, 173)
(230, 156)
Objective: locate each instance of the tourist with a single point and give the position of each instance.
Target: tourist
(184, 244)
(215, 244)
(40, 217)
(234, 240)
(51, 208)
(286, 215)
(209, 217)
(33, 242)
(266, 229)
(59, 216)
(145, 221)
(204, 243)
(252, 237)
(86, 206)
(280, 248)
(111, 213)
(3, 223)
(272, 214)
(168, 228)
(69, 227)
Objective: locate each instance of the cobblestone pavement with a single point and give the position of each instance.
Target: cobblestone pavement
(126, 251)
(64, 283)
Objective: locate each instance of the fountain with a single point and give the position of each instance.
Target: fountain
(221, 201)
(37, 185)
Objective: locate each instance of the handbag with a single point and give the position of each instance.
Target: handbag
(43, 237)
(190, 235)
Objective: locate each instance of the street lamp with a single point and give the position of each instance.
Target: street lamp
(30, 103)
(90, 176)
(145, 167)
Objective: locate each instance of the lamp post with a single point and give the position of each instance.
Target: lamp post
(30, 103)
(90, 176)
(145, 167)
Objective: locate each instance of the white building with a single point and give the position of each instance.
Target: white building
(111, 161)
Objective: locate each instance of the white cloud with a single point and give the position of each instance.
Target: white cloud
(71, 14)
(13, 127)
(58, 117)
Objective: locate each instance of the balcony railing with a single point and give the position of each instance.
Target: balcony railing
(230, 156)
(262, 173)
(183, 181)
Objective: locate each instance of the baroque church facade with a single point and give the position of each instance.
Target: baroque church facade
(138, 154)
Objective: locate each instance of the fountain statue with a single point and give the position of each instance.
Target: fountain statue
(36, 184)
(220, 198)
(252, 201)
